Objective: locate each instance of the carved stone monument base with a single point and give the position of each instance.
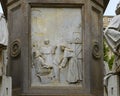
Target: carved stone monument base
(55, 47)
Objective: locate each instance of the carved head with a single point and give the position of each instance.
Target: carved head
(63, 47)
(46, 42)
(117, 11)
(37, 54)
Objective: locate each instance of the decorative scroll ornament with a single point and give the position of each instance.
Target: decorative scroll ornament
(96, 51)
(15, 48)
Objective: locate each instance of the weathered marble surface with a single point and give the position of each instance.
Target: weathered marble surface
(56, 35)
(3, 31)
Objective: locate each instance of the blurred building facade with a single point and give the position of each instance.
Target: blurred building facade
(106, 20)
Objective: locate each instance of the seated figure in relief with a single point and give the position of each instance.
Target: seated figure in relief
(41, 68)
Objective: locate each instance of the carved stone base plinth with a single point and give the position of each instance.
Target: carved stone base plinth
(57, 50)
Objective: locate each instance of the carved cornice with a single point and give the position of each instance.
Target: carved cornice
(105, 2)
(5, 3)
(102, 3)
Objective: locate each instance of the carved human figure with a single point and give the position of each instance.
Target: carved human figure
(112, 36)
(59, 51)
(71, 61)
(47, 51)
(76, 45)
(41, 67)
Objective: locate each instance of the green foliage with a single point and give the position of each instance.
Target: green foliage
(106, 50)
(107, 58)
(110, 61)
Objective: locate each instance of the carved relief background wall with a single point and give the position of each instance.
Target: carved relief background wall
(56, 41)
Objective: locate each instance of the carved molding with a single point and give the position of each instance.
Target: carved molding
(96, 51)
(15, 48)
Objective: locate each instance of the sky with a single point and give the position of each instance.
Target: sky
(111, 7)
(1, 9)
(109, 11)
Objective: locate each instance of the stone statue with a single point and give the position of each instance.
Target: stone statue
(112, 36)
(5, 81)
(3, 40)
(3, 31)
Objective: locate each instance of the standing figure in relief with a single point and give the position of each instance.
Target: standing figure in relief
(71, 61)
(57, 60)
(47, 52)
(112, 36)
(77, 47)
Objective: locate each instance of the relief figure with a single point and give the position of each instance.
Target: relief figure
(70, 60)
(44, 62)
(41, 68)
(56, 62)
(47, 51)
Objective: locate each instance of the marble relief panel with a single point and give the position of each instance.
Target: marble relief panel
(56, 41)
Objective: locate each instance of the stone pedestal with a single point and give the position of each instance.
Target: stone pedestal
(55, 47)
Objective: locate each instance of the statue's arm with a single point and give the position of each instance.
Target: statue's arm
(64, 62)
